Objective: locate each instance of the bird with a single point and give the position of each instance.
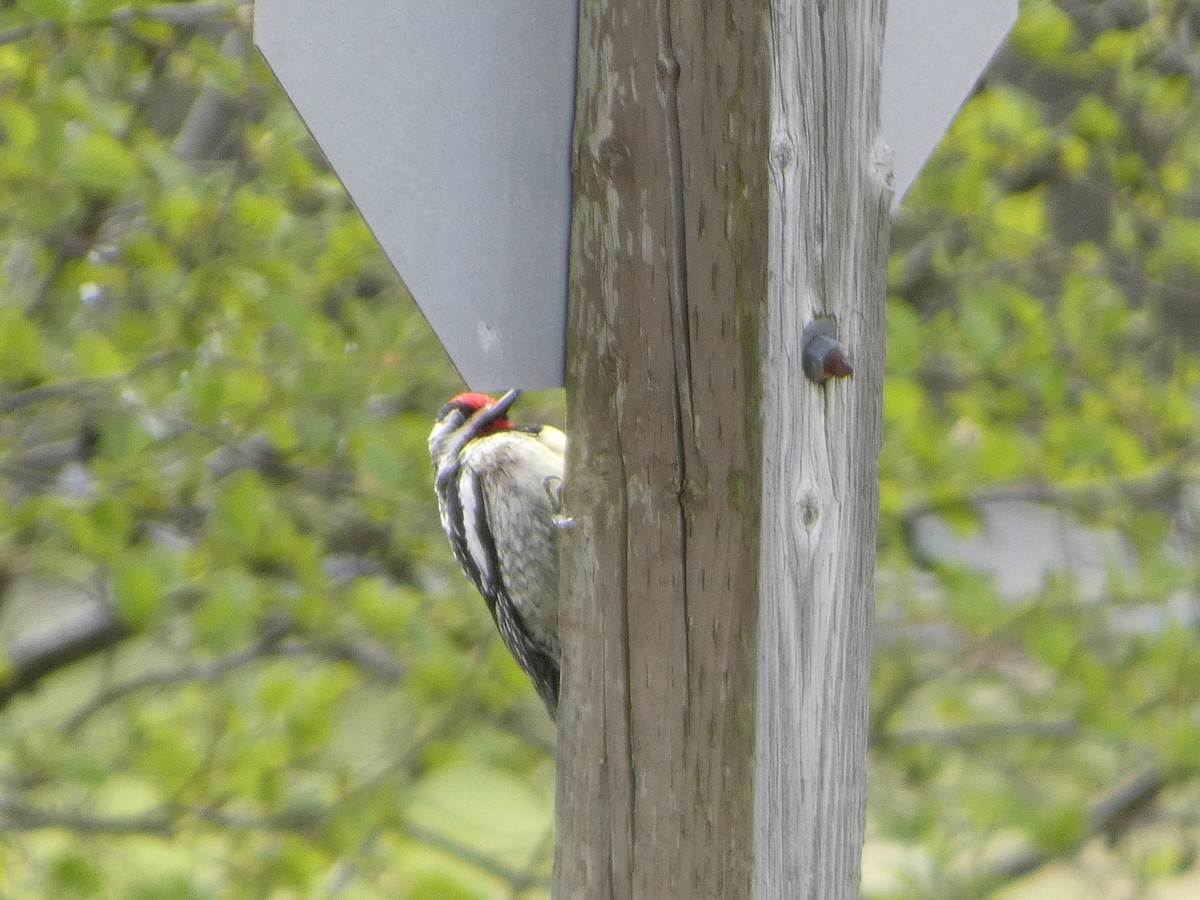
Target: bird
(498, 489)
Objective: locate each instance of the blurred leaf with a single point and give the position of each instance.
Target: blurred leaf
(441, 886)
(1095, 120)
(96, 357)
(53, 11)
(75, 876)
(1062, 828)
(1043, 32)
(103, 165)
(19, 125)
(1181, 243)
(137, 588)
(22, 360)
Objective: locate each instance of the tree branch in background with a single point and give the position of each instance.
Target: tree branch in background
(970, 735)
(166, 820)
(16, 817)
(81, 389)
(181, 15)
(207, 123)
(1147, 490)
(518, 880)
(372, 660)
(16, 35)
(1108, 814)
(86, 630)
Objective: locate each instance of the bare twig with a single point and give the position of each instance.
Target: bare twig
(181, 15)
(979, 734)
(542, 853)
(16, 816)
(373, 660)
(88, 629)
(97, 213)
(166, 820)
(16, 35)
(207, 123)
(165, 823)
(272, 644)
(1146, 490)
(205, 671)
(69, 389)
(519, 880)
(81, 388)
(1109, 813)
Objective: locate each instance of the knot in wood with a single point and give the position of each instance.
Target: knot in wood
(783, 153)
(808, 511)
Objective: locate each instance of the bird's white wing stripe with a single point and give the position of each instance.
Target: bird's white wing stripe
(470, 520)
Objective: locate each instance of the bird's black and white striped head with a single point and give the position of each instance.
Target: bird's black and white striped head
(466, 417)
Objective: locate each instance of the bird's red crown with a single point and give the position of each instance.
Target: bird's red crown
(471, 403)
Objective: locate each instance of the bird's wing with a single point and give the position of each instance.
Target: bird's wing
(519, 575)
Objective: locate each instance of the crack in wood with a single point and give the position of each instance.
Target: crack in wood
(626, 667)
(668, 70)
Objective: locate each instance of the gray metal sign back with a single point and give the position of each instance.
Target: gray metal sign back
(449, 123)
(933, 54)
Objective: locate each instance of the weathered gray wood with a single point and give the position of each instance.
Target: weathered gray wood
(829, 226)
(710, 223)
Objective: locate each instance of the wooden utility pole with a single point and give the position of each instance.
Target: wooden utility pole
(730, 187)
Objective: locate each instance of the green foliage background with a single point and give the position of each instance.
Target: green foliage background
(238, 659)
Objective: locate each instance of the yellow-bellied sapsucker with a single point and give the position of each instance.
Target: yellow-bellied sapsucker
(497, 486)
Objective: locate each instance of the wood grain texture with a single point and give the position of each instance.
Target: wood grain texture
(668, 271)
(683, 303)
(829, 231)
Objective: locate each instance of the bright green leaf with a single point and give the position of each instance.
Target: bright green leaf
(103, 165)
(137, 588)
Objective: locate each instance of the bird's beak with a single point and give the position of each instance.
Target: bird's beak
(501, 407)
(490, 414)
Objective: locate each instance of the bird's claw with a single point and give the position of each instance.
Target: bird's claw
(554, 490)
